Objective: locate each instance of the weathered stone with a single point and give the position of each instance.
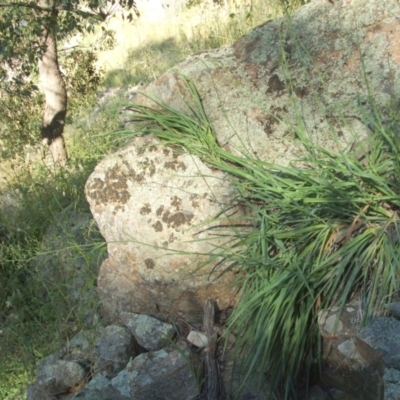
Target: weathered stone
(101, 393)
(81, 346)
(392, 388)
(383, 334)
(55, 378)
(313, 67)
(154, 206)
(149, 201)
(197, 338)
(99, 382)
(394, 309)
(350, 364)
(328, 321)
(113, 350)
(149, 332)
(168, 374)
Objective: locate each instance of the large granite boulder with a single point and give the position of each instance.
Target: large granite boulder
(314, 72)
(154, 207)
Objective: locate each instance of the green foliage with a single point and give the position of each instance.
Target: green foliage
(324, 230)
(21, 105)
(22, 26)
(19, 119)
(288, 5)
(37, 315)
(82, 79)
(194, 3)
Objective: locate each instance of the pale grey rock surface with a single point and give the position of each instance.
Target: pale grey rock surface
(383, 334)
(313, 67)
(151, 203)
(350, 365)
(150, 333)
(167, 374)
(55, 377)
(392, 384)
(104, 392)
(81, 346)
(154, 206)
(113, 350)
(354, 369)
(197, 338)
(98, 382)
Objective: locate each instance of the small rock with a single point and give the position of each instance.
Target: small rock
(99, 389)
(152, 334)
(350, 365)
(394, 309)
(168, 374)
(329, 322)
(98, 382)
(392, 387)
(113, 350)
(56, 378)
(349, 350)
(197, 338)
(383, 335)
(81, 346)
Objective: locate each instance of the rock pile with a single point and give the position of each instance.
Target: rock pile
(144, 358)
(137, 361)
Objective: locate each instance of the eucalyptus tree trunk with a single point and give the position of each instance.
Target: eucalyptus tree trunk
(53, 85)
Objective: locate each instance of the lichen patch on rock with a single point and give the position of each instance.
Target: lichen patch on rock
(158, 225)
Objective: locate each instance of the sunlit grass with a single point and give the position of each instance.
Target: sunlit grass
(155, 46)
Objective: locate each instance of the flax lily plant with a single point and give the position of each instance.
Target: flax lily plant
(320, 235)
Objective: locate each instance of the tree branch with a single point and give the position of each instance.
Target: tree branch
(58, 7)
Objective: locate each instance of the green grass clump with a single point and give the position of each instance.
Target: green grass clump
(321, 234)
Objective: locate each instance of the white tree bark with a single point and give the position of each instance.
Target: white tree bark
(53, 119)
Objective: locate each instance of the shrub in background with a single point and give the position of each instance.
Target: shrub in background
(20, 110)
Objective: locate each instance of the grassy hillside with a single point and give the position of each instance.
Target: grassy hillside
(152, 44)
